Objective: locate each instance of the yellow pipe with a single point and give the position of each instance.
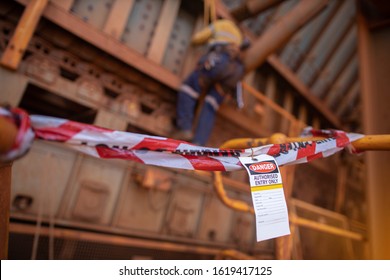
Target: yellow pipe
(218, 184)
(373, 143)
(367, 143)
(325, 228)
(231, 203)
(241, 143)
(244, 207)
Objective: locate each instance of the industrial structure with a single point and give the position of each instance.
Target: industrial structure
(119, 63)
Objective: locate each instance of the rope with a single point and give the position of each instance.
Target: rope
(209, 12)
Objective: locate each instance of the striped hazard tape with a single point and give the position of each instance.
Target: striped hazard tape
(161, 151)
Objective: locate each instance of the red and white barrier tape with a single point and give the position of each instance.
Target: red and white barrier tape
(160, 151)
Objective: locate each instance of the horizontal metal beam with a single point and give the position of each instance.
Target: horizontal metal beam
(114, 240)
(108, 44)
(252, 8)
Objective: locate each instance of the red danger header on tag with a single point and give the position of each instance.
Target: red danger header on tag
(263, 167)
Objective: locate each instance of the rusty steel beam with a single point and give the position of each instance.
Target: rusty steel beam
(102, 238)
(304, 91)
(99, 39)
(342, 83)
(373, 49)
(24, 30)
(348, 99)
(328, 55)
(252, 8)
(5, 195)
(327, 42)
(335, 65)
(281, 32)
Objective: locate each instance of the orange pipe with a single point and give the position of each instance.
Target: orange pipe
(231, 203)
(8, 133)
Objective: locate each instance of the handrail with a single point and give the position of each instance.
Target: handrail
(269, 102)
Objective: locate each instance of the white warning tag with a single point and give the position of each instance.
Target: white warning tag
(268, 196)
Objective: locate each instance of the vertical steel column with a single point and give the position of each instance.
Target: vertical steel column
(281, 32)
(5, 194)
(374, 48)
(23, 33)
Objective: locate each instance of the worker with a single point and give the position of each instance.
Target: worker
(217, 74)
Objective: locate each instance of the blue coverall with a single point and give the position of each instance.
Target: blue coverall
(220, 65)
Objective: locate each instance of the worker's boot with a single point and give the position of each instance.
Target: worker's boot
(185, 135)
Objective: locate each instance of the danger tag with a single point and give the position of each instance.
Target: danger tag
(268, 197)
